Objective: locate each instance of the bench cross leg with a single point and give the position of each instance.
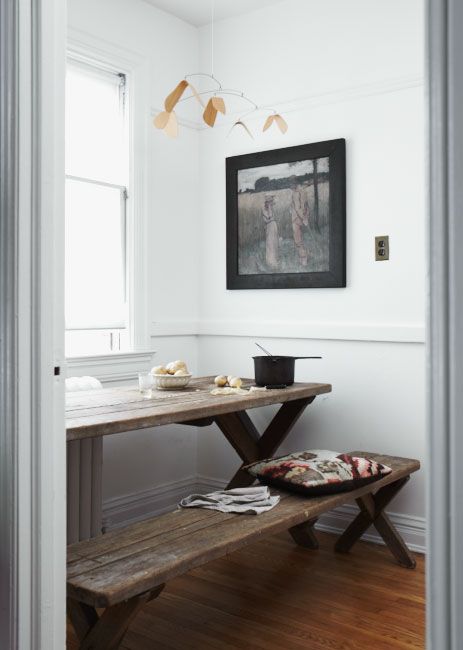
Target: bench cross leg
(303, 534)
(372, 513)
(106, 632)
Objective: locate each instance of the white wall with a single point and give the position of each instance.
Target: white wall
(163, 47)
(334, 69)
(340, 69)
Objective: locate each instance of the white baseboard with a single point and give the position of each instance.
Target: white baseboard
(127, 509)
(410, 527)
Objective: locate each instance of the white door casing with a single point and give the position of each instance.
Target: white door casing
(32, 530)
(8, 346)
(445, 326)
(31, 433)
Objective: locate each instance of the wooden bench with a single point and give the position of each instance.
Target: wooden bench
(124, 569)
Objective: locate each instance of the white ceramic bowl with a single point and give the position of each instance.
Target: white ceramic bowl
(171, 382)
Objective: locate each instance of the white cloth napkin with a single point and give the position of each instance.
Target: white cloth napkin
(82, 383)
(246, 501)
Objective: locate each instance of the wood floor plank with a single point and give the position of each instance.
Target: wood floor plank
(295, 599)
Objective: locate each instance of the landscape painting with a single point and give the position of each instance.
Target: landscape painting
(286, 218)
(283, 218)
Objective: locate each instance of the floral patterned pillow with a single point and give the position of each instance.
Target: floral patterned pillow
(315, 472)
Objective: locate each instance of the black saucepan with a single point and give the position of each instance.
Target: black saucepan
(273, 371)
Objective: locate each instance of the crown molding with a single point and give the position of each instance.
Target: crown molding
(315, 100)
(81, 43)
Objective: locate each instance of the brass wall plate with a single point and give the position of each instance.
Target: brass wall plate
(381, 248)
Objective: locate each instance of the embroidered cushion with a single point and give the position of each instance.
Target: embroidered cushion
(315, 472)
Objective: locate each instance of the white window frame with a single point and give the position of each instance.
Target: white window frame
(83, 48)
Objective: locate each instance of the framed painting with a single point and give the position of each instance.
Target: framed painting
(286, 217)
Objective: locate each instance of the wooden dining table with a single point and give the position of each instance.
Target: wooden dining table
(130, 566)
(97, 413)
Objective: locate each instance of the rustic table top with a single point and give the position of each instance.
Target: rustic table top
(96, 413)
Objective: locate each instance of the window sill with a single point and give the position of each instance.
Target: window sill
(110, 368)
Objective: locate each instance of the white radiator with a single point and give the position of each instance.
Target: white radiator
(84, 489)
(84, 476)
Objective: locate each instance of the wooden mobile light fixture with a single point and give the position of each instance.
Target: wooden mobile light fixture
(167, 121)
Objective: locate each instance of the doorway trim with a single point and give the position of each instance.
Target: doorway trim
(445, 325)
(32, 440)
(8, 374)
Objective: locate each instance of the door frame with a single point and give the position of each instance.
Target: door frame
(32, 440)
(445, 325)
(32, 446)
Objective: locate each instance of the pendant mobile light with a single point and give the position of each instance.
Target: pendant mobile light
(167, 119)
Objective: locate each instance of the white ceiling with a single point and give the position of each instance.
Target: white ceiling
(198, 12)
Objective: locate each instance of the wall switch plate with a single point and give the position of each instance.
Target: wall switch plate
(381, 248)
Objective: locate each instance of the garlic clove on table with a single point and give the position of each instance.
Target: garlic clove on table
(159, 370)
(173, 366)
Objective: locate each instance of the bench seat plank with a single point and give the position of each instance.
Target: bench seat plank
(127, 562)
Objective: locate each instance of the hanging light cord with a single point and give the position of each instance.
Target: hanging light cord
(220, 89)
(168, 121)
(212, 37)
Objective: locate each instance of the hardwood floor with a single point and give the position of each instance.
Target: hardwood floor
(275, 595)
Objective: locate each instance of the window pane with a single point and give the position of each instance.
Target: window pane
(95, 261)
(96, 142)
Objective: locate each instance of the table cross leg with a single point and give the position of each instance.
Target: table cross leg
(372, 513)
(241, 433)
(106, 632)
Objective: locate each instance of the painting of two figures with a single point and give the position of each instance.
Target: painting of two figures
(283, 218)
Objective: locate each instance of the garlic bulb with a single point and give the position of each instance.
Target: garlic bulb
(220, 380)
(181, 373)
(159, 370)
(235, 382)
(173, 366)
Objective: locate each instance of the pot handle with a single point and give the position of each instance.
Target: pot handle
(307, 357)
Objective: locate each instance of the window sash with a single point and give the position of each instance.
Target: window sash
(111, 324)
(111, 336)
(124, 198)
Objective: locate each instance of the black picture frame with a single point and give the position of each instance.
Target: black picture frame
(335, 275)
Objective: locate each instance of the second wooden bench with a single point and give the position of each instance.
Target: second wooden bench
(124, 569)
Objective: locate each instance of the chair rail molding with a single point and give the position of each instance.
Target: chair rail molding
(445, 321)
(343, 331)
(315, 330)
